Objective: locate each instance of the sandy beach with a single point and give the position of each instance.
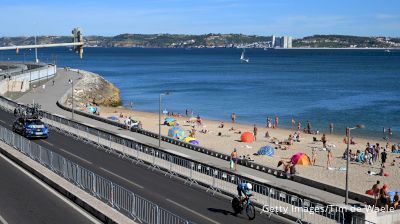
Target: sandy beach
(360, 181)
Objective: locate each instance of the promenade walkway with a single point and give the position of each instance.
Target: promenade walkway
(48, 97)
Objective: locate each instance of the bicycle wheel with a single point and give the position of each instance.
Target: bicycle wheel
(236, 205)
(250, 211)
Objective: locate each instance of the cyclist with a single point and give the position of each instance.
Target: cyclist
(244, 188)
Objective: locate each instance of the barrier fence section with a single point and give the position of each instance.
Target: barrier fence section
(125, 201)
(269, 199)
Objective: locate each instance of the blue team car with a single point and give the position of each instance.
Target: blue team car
(31, 128)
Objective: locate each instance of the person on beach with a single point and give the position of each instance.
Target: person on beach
(329, 159)
(375, 191)
(234, 158)
(293, 123)
(276, 122)
(384, 132)
(390, 133)
(233, 117)
(313, 156)
(331, 128)
(267, 135)
(298, 126)
(308, 128)
(383, 157)
(255, 132)
(323, 139)
(221, 125)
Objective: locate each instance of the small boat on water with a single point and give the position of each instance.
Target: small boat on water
(387, 50)
(243, 59)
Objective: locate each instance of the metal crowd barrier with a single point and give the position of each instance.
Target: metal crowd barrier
(125, 201)
(268, 198)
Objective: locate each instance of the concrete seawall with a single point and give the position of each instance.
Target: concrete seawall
(21, 82)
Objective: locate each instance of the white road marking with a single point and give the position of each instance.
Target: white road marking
(177, 153)
(69, 153)
(47, 142)
(2, 220)
(3, 122)
(54, 192)
(190, 210)
(133, 183)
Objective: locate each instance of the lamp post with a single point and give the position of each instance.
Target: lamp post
(348, 159)
(159, 118)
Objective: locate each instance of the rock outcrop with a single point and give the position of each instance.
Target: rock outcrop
(92, 89)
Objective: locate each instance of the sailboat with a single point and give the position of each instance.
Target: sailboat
(243, 59)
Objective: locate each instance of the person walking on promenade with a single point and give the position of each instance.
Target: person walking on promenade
(329, 159)
(53, 82)
(233, 117)
(234, 158)
(293, 123)
(298, 126)
(331, 128)
(255, 132)
(323, 139)
(276, 122)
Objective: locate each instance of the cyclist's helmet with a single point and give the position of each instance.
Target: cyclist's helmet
(249, 186)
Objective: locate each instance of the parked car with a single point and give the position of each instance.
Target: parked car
(31, 128)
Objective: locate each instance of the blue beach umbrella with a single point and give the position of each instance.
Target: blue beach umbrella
(176, 132)
(266, 150)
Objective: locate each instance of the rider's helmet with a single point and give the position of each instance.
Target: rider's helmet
(249, 186)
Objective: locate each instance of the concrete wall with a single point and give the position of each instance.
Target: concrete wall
(20, 83)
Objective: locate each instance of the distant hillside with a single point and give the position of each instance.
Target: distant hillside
(209, 41)
(152, 40)
(343, 41)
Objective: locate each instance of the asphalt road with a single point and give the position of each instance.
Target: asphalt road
(192, 203)
(24, 199)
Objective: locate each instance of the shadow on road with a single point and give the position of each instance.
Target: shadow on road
(222, 211)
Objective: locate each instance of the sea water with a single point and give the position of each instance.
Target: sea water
(343, 87)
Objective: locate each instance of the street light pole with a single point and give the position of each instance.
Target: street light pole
(348, 160)
(159, 118)
(72, 94)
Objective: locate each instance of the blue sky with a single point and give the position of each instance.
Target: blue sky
(296, 18)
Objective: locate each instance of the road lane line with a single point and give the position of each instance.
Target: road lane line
(190, 210)
(69, 153)
(133, 183)
(3, 122)
(54, 192)
(2, 220)
(51, 144)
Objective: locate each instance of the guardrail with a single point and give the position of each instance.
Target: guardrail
(244, 162)
(125, 201)
(269, 170)
(300, 207)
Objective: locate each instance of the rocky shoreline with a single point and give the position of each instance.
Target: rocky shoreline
(92, 89)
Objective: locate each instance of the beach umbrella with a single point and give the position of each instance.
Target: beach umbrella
(194, 142)
(266, 150)
(169, 121)
(188, 139)
(113, 118)
(300, 159)
(176, 132)
(247, 137)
